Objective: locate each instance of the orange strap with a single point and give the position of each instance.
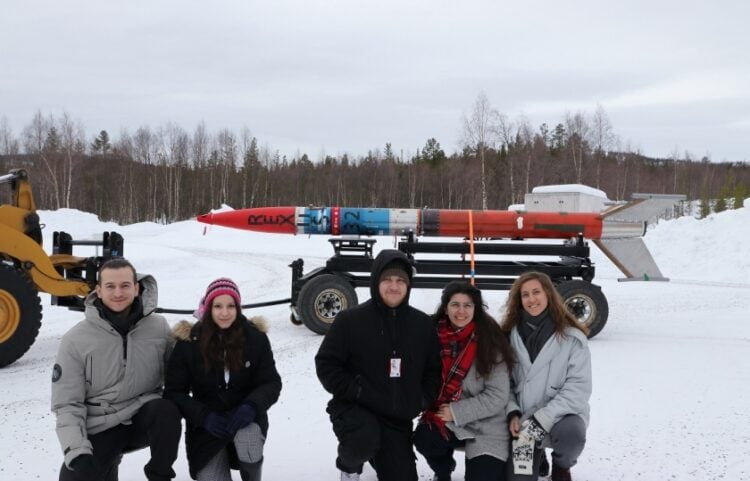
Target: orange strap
(471, 246)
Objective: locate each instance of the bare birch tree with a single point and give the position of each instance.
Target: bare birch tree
(73, 137)
(504, 130)
(8, 143)
(578, 137)
(479, 130)
(602, 136)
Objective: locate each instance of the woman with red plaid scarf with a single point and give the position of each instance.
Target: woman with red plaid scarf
(470, 410)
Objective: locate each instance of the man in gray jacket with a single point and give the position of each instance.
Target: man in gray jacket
(107, 381)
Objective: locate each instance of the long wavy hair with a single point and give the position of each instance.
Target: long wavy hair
(555, 305)
(491, 341)
(221, 348)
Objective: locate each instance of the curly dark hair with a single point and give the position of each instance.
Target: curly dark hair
(491, 341)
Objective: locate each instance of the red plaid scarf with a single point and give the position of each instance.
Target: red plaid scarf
(457, 352)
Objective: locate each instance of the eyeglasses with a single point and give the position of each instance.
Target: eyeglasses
(458, 305)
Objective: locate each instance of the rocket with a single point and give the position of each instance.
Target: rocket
(427, 222)
(617, 231)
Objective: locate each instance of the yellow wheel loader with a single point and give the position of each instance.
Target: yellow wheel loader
(26, 269)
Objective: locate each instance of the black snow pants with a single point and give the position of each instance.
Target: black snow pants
(157, 425)
(363, 437)
(438, 452)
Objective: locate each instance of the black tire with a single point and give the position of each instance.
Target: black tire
(294, 320)
(322, 298)
(20, 314)
(587, 303)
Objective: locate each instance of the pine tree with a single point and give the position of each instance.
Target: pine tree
(101, 144)
(52, 142)
(741, 192)
(705, 205)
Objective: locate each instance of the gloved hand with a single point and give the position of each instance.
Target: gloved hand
(216, 424)
(83, 465)
(533, 429)
(241, 417)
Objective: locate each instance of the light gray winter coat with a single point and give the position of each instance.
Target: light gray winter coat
(95, 387)
(479, 416)
(557, 383)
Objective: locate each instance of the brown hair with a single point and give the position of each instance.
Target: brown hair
(555, 305)
(217, 352)
(116, 263)
(491, 340)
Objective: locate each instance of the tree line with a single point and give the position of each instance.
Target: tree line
(167, 173)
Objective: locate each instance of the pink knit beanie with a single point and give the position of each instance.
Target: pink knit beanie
(219, 287)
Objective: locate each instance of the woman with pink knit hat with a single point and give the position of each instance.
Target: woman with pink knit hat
(223, 378)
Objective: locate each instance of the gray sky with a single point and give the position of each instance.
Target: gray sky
(339, 76)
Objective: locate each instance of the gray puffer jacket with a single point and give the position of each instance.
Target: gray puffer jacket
(101, 379)
(479, 416)
(557, 383)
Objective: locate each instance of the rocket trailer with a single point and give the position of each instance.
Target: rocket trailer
(567, 213)
(319, 295)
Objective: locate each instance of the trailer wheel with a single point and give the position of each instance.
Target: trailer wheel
(322, 298)
(587, 303)
(20, 314)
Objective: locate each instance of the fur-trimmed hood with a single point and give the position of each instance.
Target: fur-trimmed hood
(181, 331)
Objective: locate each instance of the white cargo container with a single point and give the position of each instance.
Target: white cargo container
(566, 198)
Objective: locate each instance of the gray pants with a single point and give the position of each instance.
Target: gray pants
(566, 438)
(249, 445)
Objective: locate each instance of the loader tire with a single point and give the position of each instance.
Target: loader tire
(587, 304)
(20, 314)
(322, 298)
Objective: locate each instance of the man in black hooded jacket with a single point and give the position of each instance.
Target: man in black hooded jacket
(381, 362)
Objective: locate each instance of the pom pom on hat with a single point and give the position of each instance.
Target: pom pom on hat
(219, 287)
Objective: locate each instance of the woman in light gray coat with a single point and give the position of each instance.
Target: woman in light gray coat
(470, 410)
(551, 382)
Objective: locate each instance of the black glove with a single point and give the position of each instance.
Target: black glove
(241, 417)
(533, 429)
(83, 465)
(216, 424)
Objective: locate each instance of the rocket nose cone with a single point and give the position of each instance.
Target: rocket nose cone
(206, 218)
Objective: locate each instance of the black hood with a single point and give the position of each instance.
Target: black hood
(384, 258)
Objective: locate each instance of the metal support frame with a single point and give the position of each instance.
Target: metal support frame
(353, 259)
(83, 269)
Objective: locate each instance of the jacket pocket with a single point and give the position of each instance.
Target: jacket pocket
(550, 392)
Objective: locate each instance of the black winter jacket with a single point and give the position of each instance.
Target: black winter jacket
(198, 392)
(353, 361)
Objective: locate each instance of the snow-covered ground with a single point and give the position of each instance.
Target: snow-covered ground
(671, 368)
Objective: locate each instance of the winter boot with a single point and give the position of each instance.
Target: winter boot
(560, 474)
(250, 471)
(349, 476)
(543, 465)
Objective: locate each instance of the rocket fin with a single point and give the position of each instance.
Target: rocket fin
(643, 207)
(632, 257)
(630, 254)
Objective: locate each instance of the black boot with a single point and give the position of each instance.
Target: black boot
(560, 474)
(250, 471)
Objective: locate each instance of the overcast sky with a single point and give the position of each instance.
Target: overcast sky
(339, 76)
